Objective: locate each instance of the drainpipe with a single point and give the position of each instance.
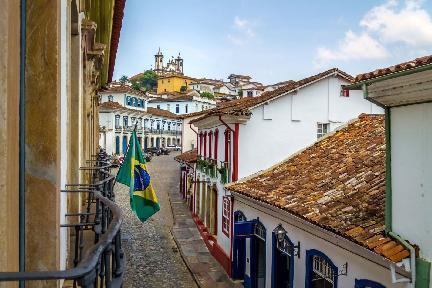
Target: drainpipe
(21, 189)
(412, 262)
(388, 203)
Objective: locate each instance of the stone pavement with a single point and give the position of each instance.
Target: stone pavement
(207, 271)
(152, 256)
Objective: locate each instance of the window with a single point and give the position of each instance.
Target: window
(158, 106)
(125, 121)
(249, 93)
(226, 215)
(344, 92)
(322, 129)
(128, 101)
(177, 108)
(117, 147)
(117, 121)
(320, 270)
(133, 121)
(139, 103)
(110, 98)
(186, 108)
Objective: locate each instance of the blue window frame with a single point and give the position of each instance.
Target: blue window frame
(117, 148)
(134, 101)
(239, 216)
(282, 262)
(125, 122)
(110, 98)
(320, 270)
(124, 144)
(128, 101)
(364, 283)
(117, 121)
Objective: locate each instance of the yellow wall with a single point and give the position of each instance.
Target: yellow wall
(172, 83)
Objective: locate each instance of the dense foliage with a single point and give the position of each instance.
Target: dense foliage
(146, 82)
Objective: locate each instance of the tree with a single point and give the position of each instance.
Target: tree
(207, 95)
(148, 81)
(123, 80)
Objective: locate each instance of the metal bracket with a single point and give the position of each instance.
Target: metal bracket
(344, 270)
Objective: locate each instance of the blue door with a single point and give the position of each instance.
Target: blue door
(124, 144)
(117, 148)
(364, 283)
(249, 253)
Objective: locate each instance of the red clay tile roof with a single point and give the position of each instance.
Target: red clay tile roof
(188, 157)
(115, 34)
(161, 112)
(242, 106)
(338, 184)
(418, 62)
(118, 88)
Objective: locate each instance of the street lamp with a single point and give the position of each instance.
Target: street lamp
(280, 233)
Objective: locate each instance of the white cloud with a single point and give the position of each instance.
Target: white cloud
(353, 46)
(243, 31)
(385, 29)
(409, 24)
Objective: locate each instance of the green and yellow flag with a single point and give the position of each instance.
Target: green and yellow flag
(133, 173)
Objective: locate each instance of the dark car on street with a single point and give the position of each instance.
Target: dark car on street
(153, 151)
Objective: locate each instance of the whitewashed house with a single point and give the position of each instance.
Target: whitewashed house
(124, 95)
(244, 136)
(155, 127)
(405, 92)
(317, 218)
(182, 103)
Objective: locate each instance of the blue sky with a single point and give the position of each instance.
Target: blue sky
(273, 40)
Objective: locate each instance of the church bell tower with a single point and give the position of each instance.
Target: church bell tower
(158, 67)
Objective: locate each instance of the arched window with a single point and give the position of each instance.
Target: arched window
(239, 216)
(364, 283)
(320, 270)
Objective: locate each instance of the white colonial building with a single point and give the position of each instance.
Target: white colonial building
(178, 103)
(121, 109)
(244, 136)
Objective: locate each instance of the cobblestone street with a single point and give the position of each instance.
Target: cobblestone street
(152, 257)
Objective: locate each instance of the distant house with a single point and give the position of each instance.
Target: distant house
(179, 103)
(122, 108)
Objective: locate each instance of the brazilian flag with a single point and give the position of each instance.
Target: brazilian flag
(133, 173)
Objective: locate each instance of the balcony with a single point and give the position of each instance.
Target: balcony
(224, 172)
(98, 259)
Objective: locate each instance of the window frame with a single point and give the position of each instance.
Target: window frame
(226, 215)
(310, 254)
(322, 129)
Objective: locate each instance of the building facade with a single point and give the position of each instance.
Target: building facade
(173, 83)
(173, 66)
(154, 128)
(308, 221)
(180, 104)
(48, 86)
(244, 136)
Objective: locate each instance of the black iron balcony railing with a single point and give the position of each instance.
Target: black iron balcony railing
(102, 263)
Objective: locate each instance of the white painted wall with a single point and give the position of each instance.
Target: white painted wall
(289, 123)
(121, 98)
(194, 105)
(358, 267)
(411, 167)
(189, 137)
